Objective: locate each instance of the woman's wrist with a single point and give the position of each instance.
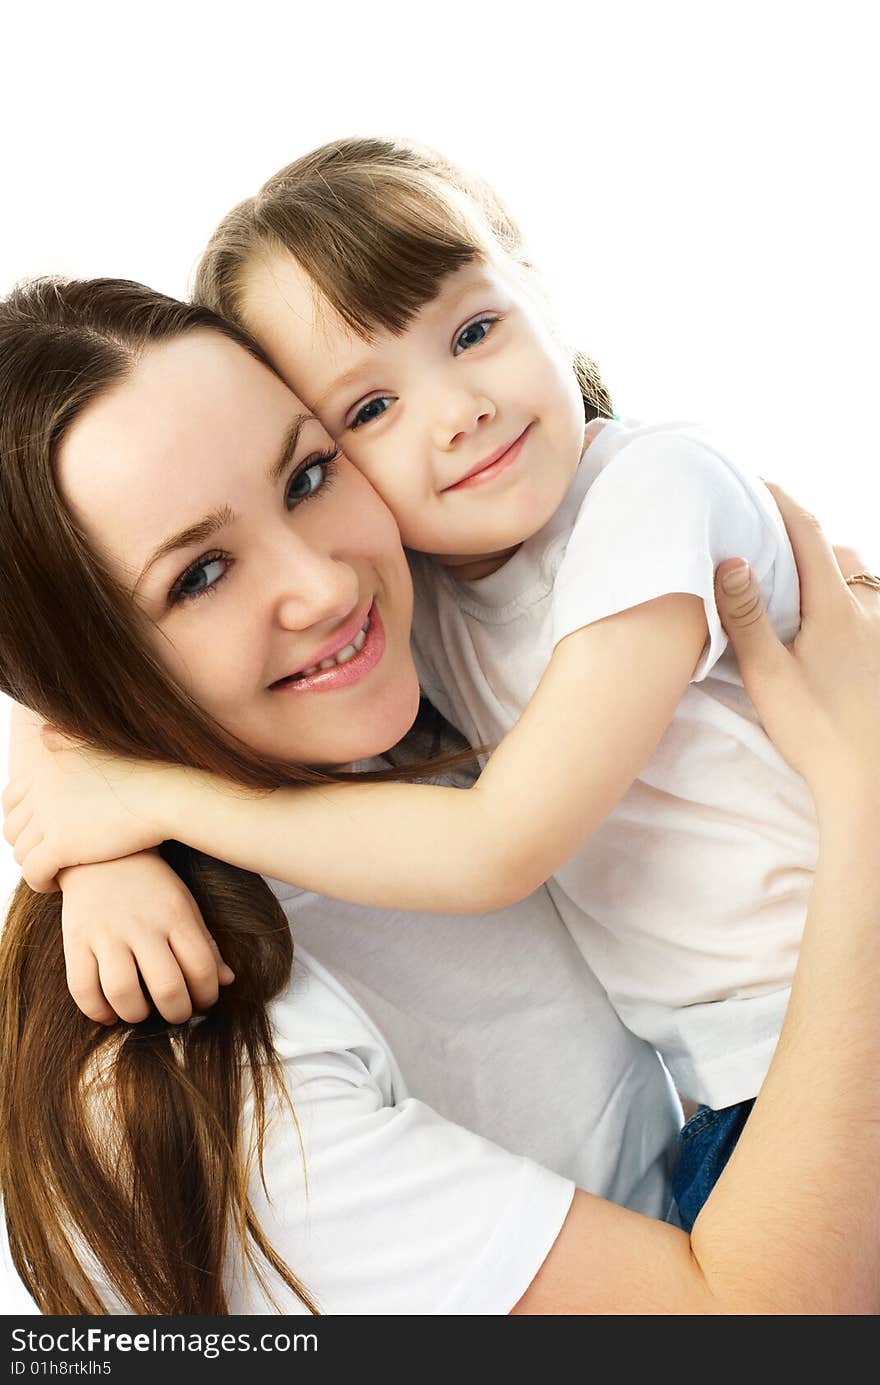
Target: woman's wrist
(848, 801)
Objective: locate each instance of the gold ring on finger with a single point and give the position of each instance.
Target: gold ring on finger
(868, 579)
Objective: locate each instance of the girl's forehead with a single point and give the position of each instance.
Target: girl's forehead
(309, 341)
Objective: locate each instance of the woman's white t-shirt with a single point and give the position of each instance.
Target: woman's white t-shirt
(453, 1079)
(438, 1185)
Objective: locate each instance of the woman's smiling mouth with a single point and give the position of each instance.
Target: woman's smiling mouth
(346, 665)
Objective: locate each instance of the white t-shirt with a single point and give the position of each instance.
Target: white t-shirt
(689, 900)
(438, 1185)
(404, 1212)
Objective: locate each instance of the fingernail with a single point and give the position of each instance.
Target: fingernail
(736, 579)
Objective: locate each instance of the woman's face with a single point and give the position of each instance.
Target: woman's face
(270, 573)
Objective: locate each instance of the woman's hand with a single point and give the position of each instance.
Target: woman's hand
(819, 700)
(79, 806)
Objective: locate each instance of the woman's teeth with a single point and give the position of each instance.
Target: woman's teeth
(342, 656)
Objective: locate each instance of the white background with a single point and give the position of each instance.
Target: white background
(694, 177)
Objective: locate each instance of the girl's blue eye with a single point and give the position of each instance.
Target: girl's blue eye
(374, 408)
(473, 334)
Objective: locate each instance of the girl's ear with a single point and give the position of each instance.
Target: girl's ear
(53, 739)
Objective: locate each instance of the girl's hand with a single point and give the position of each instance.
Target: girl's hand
(79, 806)
(819, 700)
(130, 916)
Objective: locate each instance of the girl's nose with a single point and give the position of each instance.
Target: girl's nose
(459, 412)
(316, 588)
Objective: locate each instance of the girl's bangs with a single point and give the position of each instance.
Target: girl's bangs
(376, 253)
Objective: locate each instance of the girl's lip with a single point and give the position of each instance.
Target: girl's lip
(487, 471)
(343, 675)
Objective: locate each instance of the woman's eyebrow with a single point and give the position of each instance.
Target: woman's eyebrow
(184, 538)
(204, 528)
(288, 446)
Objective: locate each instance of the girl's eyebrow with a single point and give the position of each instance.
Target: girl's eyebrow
(217, 519)
(343, 381)
(367, 363)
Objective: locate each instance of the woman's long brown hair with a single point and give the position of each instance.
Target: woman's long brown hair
(377, 224)
(124, 1166)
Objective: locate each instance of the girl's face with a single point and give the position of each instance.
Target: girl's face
(470, 423)
(254, 550)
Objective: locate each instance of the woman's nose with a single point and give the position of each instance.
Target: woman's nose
(316, 588)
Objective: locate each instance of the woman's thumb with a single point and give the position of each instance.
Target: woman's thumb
(745, 622)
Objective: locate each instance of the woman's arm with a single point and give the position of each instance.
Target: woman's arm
(793, 1224)
(550, 783)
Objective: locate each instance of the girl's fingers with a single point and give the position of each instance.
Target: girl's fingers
(39, 865)
(164, 980)
(16, 821)
(821, 581)
(40, 869)
(203, 968)
(84, 985)
(120, 983)
(13, 794)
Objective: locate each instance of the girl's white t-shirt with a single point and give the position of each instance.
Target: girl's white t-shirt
(689, 900)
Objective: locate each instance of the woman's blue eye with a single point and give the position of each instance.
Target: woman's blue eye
(473, 334)
(196, 582)
(310, 479)
(374, 408)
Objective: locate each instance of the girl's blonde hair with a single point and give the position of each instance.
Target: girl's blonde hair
(377, 225)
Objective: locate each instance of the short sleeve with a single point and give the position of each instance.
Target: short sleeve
(387, 1208)
(658, 519)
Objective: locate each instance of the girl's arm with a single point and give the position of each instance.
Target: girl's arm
(600, 710)
(596, 718)
(793, 1224)
(125, 917)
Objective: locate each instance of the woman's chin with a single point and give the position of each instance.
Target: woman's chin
(386, 723)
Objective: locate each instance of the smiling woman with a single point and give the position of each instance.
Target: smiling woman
(127, 1156)
(303, 553)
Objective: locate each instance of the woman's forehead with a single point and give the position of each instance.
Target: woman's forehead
(189, 406)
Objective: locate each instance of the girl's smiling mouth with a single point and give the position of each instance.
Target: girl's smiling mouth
(492, 466)
(347, 664)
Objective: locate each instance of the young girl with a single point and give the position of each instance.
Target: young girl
(564, 603)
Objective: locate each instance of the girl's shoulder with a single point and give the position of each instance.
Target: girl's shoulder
(668, 467)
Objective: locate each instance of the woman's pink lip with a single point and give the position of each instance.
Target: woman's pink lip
(343, 675)
(493, 469)
(339, 641)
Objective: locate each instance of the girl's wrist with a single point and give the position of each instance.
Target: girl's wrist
(194, 798)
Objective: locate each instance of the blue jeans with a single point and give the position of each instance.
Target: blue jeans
(706, 1143)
